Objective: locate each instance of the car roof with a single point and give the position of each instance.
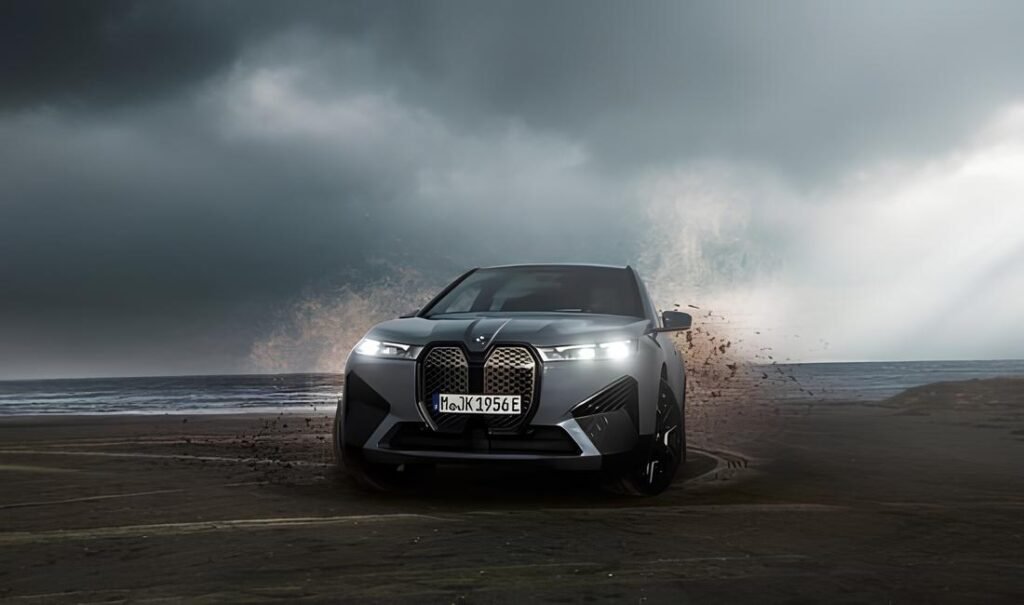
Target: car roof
(527, 265)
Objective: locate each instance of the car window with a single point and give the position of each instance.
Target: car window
(463, 300)
(543, 289)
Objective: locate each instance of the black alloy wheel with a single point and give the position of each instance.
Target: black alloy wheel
(657, 468)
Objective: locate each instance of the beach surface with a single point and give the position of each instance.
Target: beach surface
(917, 498)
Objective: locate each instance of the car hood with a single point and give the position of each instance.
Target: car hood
(477, 333)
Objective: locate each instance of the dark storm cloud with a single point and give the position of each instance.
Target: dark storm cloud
(798, 85)
(173, 173)
(88, 53)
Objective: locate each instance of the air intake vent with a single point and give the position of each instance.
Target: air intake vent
(618, 395)
(551, 440)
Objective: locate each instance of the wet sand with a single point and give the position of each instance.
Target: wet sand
(916, 499)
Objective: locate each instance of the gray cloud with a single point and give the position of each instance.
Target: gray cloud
(795, 85)
(173, 174)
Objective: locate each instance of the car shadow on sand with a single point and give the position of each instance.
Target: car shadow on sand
(504, 486)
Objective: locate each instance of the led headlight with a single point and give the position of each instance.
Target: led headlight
(619, 349)
(393, 350)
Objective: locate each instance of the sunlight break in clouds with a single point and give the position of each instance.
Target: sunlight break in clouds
(929, 258)
(902, 260)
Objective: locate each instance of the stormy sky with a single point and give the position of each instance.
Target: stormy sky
(845, 179)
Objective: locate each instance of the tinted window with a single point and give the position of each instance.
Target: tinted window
(544, 290)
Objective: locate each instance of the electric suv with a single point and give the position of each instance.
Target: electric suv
(562, 365)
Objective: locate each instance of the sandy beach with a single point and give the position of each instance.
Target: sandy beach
(918, 498)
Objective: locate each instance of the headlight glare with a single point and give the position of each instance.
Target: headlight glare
(394, 350)
(619, 349)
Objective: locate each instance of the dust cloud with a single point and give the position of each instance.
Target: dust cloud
(319, 330)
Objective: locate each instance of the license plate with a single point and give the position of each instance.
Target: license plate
(478, 404)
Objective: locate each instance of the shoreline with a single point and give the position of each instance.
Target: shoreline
(785, 395)
(211, 413)
(341, 374)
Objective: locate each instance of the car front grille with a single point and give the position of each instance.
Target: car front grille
(504, 370)
(445, 370)
(510, 371)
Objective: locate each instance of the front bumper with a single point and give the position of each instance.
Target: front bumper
(587, 415)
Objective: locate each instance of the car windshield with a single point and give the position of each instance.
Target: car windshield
(544, 289)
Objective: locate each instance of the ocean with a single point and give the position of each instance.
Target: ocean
(172, 394)
(319, 392)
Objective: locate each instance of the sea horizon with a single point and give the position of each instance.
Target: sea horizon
(782, 382)
(322, 373)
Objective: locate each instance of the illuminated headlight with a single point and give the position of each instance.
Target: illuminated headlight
(394, 350)
(619, 349)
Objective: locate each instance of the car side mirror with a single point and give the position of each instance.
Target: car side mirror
(675, 321)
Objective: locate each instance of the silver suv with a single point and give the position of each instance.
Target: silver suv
(568, 366)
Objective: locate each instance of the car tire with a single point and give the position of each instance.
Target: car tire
(682, 413)
(350, 463)
(657, 463)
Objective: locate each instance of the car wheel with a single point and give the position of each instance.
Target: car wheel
(659, 462)
(350, 463)
(682, 416)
